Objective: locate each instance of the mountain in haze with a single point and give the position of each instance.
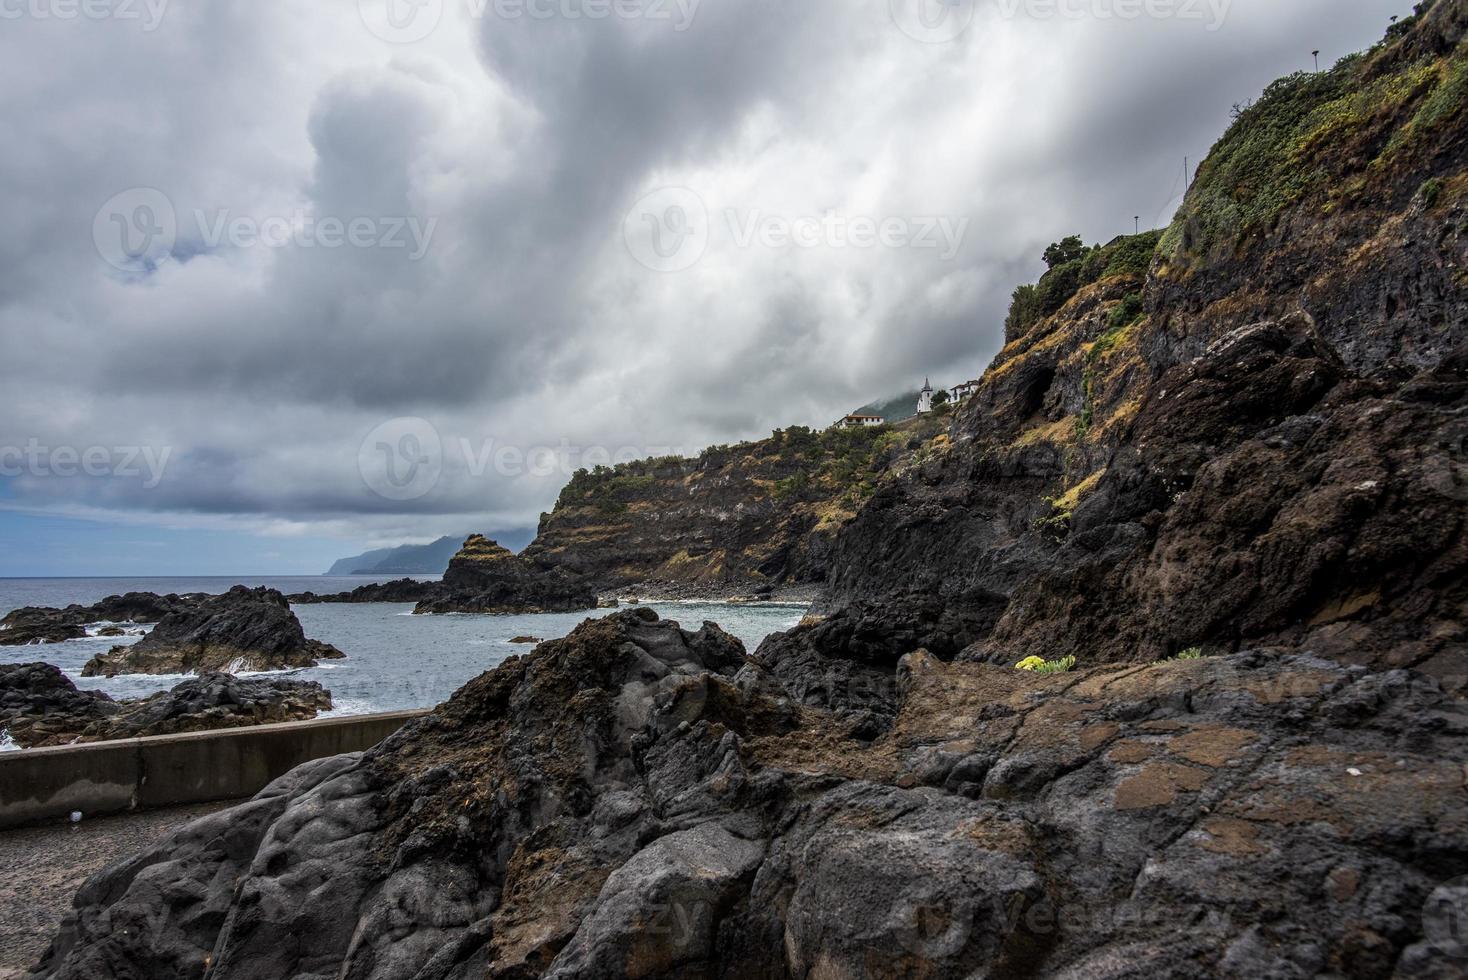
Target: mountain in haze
(896, 409)
(419, 559)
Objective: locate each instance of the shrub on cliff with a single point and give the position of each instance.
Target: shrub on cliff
(1333, 134)
(1073, 267)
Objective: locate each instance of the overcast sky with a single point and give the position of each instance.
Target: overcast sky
(246, 242)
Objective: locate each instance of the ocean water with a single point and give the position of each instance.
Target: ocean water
(395, 660)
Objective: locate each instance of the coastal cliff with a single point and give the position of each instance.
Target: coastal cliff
(757, 516)
(1258, 439)
(1212, 491)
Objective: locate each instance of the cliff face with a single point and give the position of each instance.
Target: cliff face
(1249, 441)
(1261, 440)
(737, 518)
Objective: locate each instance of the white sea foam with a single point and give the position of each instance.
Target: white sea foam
(130, 631)
(347, 707)
(7, 744)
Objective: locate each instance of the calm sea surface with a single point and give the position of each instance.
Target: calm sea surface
(395, 660)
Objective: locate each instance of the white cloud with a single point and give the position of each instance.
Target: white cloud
(528, 321)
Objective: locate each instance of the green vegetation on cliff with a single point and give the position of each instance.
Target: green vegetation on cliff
(1342, 136)
(754, 512)
(1073, 267)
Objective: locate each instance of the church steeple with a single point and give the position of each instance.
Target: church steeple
(925, 397)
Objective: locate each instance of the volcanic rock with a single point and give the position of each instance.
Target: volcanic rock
(485, 578)
(616, 804)
(39, 706)
(400, 591)
(33, 624)
(242, 630)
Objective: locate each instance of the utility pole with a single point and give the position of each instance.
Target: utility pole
(1317, 61)
(1138, 220)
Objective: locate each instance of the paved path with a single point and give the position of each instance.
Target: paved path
(41, 868)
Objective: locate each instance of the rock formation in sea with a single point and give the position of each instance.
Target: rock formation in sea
(1213, 490)
(39, 706)
(405, 590)
(48, 625)
(485, 578)
(242, 630)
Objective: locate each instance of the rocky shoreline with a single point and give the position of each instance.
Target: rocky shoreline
(40, 706)
(1151, 664)
(1245, 815)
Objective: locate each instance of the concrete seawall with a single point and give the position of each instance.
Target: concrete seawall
(171, 770)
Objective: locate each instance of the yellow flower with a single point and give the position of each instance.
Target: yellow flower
(1031, 663)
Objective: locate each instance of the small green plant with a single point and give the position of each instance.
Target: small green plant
(1192, 653)
(1123, 315)
(1432, 192)
(1072, 267)
(1039, 665)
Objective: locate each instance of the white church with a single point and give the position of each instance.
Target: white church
(924, 406)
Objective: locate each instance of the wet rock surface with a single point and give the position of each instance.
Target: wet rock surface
(485, 578)
(34, 624)
(618, 804)
(39, 706)
(399, 591)
(242, 630)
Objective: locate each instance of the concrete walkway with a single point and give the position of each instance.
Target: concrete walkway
(41, 868)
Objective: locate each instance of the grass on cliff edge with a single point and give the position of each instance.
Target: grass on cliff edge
(1330, 133)
(1073, 267)
(832, 467)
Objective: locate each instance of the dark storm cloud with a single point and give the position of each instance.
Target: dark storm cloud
(516, 146)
